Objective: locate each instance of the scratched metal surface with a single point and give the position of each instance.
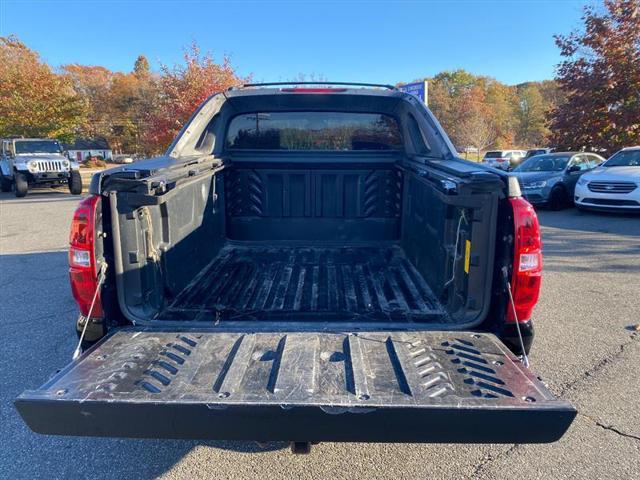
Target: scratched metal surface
(332, 370)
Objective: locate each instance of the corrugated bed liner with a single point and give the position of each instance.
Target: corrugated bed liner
(306, 283)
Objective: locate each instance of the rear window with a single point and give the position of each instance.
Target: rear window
(493, 155)
(334, 131)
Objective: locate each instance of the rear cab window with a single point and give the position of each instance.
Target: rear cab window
(313, 131)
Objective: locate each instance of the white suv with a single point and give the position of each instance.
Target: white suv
(614, 185)
(503, 159)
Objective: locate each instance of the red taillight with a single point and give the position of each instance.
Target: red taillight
(313, 90)
(527, 261)
(82, 260)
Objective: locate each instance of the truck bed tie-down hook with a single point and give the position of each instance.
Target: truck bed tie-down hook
(101, 275)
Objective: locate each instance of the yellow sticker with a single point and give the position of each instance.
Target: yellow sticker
(467, 255)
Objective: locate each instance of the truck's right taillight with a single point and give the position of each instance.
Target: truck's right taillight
(527, 261)
(82, 259)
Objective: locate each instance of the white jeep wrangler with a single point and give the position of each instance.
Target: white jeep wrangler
(26, 162)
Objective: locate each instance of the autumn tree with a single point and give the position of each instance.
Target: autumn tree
(92, 83)
(532, 109)
(120, 105)
(182, 88)
(478, 126)
(34, 100)
(460, 99)
(500, 107)
(448, 92)
(141, 67)
(600, 76)
(134, 99)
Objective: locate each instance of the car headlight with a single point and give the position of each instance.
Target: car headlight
(582, 181)
(66, 163)
(32, 167)
(540, 184)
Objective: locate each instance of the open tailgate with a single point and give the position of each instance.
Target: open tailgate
(299, 386)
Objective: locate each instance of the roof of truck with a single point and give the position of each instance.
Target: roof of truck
(276, 88)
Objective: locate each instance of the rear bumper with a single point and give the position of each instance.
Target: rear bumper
(185, 420)
(509, 335)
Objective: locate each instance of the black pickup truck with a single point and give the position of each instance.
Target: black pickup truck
(306, 263)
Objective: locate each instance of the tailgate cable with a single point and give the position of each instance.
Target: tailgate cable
(101, 274)
(524, 358)
(456, 257)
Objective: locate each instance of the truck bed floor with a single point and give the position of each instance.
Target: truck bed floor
(306, 283)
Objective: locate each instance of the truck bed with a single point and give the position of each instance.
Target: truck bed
(306, 283)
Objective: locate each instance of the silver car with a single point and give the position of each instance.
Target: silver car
(503, 159)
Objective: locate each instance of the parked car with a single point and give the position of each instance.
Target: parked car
(503, 159)
(304, 265)
(537, 151)
(30, 162)
(551, 179)
(120, 158)
(614, 185)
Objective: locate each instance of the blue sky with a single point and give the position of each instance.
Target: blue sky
(372, 41)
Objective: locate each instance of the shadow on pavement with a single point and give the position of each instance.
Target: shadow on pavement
(587, 221)
(590, 241)
(40, 196)
(37, 329)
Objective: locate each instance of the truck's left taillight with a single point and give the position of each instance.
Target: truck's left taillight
(527, 261)
(83, 270)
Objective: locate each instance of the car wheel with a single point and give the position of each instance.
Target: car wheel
(20, 185)
(75, 183)
(557, 198)
(5, 184)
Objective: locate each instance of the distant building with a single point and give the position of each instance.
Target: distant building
(84, 148)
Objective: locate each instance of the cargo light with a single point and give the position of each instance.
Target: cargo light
(527, 261)
(82, 261)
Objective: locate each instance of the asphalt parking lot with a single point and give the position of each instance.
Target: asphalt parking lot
(586, 350)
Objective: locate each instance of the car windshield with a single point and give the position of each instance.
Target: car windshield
(625, 158)
(544, 163)
(533, 153)
(38, 146)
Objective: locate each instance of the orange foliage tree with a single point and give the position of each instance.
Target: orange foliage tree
(182, 88)
(34, 100)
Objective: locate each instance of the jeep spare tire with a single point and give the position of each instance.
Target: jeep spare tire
(20, 184)
(75, 183)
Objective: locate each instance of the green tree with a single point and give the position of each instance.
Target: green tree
(532, 112)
